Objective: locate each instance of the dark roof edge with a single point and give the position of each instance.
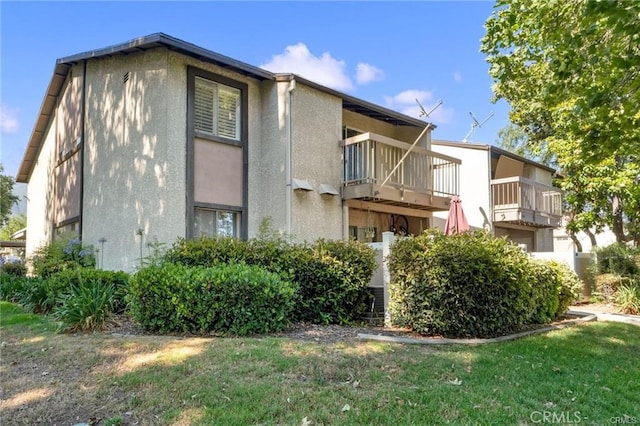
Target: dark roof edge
(190, 49)
(32, 151)
(492, 148)
(405, 119)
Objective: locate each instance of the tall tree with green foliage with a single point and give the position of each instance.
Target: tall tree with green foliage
(514, 139)
(571, 73)
(7, 199)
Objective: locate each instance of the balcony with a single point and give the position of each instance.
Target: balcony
(425, 180)
(522, 201)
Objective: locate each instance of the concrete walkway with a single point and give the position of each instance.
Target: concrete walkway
(604, 316)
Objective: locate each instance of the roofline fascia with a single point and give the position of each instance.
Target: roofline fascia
(492, 148)
(175, 44)
(410, 121)
(59, 75)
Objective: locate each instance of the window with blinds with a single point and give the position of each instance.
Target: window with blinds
(216, 109)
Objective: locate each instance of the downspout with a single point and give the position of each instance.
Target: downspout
(288, 158)
(82, 134)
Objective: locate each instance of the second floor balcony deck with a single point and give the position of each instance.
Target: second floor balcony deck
(424, 179)
(520, 200)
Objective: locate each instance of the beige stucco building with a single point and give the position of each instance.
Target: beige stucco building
(506, 194)
(156, 139)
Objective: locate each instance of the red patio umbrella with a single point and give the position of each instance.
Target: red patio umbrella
(456, 222)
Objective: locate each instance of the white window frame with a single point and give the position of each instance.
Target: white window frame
(218, 92)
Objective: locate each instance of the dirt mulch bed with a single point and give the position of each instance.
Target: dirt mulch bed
(124, 326)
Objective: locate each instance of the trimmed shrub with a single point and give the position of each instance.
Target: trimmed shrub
(85, 306)
(545, 294)
(61, 254)
(468, 284)
(207, 252)
(474, 285)
(331, 276)
(558, 286)
(570, 286)
(229, 298)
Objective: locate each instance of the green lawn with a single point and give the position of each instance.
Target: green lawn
(587, 373)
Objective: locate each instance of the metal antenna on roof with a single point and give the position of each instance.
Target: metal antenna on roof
(474, 125)
(423, 112)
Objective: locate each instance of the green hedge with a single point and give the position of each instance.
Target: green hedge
(229, 298)
(471, 285)
(331, 276)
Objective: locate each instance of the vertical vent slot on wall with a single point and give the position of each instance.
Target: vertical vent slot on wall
(125, 77)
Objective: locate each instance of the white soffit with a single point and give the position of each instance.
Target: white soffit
(301, 184)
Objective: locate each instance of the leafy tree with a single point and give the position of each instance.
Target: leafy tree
(514, 139)
(7, 199)
(15, 223)
(571, 72)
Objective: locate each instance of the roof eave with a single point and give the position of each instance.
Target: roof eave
(359, 105)
(60, 72)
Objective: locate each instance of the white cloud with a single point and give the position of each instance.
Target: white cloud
(405, 102)
(457, 77)
(408, 97)
(8, 120)
(366, 73)
(325, 69)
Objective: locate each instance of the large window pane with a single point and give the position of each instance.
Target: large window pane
(229, 112)
(217, 109)
(204, 106)
(226, 224)
(211, 223)
(204, 224)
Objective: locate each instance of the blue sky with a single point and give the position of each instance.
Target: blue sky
(388, 53)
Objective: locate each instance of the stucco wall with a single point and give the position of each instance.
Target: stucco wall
(316, 158)
(474, 186)
(134, 175)
(53, 190)
(135, 163)
(40, 196)
(267, 159)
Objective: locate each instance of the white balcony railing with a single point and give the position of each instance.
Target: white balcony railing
(518, 193)
(370, 158)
